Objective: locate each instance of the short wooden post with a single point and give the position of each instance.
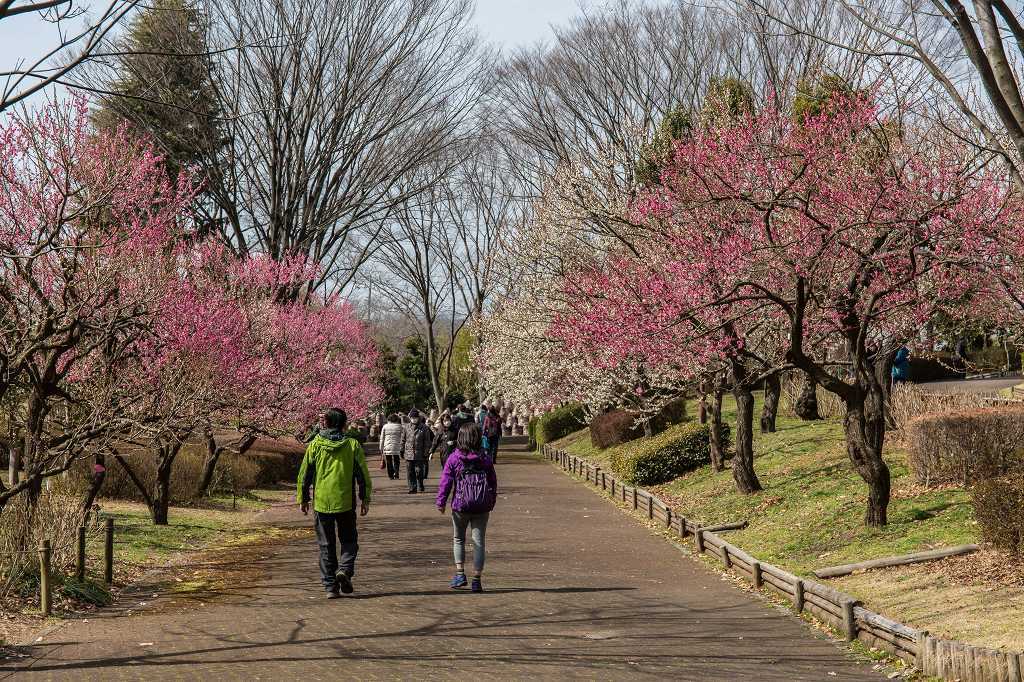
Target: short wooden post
(725, 556)
(80, 559)
(668, 517)
(44, 578)
(604, 484)
(613, 487)
(650, 506)
(1014, 663)
(14, 466)
(700, 540)
(922, 650)
(623, 492)
(634, 498)
(758, 576)
(108, 552)
(798, 596)
(849, 622)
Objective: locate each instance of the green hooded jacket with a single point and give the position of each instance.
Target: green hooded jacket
(333, 465)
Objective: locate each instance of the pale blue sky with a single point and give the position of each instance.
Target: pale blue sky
(509, 23)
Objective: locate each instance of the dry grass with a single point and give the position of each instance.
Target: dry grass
(976, 598)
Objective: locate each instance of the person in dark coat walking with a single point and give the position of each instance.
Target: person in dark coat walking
(418, 438)
(462, 415)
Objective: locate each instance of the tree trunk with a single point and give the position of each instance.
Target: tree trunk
(883, 363)
(162, 490)
(717, 446)
(806, 407)
(865, 434)
(743, 459)
(214, 451)
(99, 475)
(770, 410)
(702, 409)
(649, 428)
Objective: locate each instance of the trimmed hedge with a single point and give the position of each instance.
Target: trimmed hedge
(559, 423)
(999, 509)
(966, 446)
(650, 461)
(620, 426)
(531, 432)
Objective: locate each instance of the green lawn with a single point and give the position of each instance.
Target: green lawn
(139, 543)
(810, 515)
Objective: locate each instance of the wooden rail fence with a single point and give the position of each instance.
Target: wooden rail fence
(932, 655)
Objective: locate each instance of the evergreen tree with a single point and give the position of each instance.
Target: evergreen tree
(162, 85)
(413, 377)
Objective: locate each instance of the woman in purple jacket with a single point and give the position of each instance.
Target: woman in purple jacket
(469, 478)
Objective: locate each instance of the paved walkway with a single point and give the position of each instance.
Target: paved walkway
(575, 589)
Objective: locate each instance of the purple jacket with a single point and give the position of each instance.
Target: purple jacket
(453, 467)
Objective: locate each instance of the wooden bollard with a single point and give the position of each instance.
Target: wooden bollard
(798, 596)
(80, 557)
(650, 506)
(613, 487)
(922, 649)
(44, 578)
(849, 622)
(700, 540)
(604, 484)
(758, 576)
(108, 552)
(634, 498)
(668, 518)
(726, 559)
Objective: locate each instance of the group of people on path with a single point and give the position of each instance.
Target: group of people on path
(334, 467)
(412, 439)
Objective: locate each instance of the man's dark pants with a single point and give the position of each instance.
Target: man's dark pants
(415, 472)
(332, 528)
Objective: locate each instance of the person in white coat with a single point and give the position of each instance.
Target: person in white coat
(392, 442)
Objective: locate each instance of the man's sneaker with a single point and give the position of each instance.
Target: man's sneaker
(333, 593)
(344, 582)
(477, 586)
(422, 489)
(413, 491)
(458, 581)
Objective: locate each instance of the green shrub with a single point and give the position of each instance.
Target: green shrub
(999, 509)
(531, 432)
(965, 446)
(664, 457)
(559, 423)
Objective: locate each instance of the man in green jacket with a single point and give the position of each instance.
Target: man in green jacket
(334, 465)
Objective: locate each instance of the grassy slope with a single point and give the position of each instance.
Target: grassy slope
(810, 516)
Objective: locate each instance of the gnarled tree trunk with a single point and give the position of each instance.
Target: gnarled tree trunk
(717, 446)
(865, 435)
(743, 459)
(99, 474)
(770, 409)
(806, 406)
(213, 452)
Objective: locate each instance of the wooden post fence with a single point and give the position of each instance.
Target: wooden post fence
(80, 556)
(108, 552)
(45, 599)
